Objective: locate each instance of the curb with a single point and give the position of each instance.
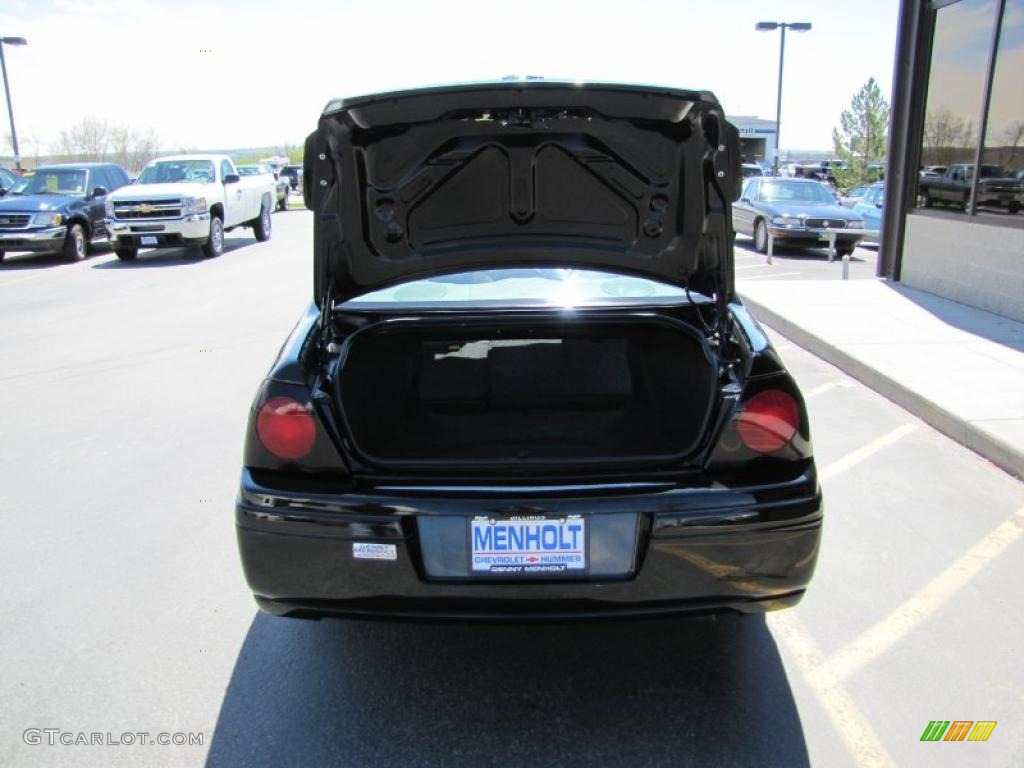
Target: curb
(1005, 456)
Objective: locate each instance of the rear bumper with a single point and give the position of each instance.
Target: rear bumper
(1001, 199)
(696, 550)
(50, 239)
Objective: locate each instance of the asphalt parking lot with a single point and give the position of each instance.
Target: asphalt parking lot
(790, 263)
(126, 388)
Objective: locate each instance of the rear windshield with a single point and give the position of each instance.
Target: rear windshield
(546, 287)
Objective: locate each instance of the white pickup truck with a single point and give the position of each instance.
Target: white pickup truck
(188, 200)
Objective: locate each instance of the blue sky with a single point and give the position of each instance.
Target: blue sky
(258, 73)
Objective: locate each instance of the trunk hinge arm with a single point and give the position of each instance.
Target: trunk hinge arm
(717, 237)
(326, 305)
(716, 243)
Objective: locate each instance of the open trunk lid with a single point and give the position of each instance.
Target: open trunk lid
(633, 179)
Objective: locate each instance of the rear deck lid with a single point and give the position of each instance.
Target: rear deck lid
(631, 179)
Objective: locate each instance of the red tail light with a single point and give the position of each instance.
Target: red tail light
(768, 421)
(286, 428)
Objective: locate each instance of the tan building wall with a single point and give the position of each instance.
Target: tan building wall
(966, 260)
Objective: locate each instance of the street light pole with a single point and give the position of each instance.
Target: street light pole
(771, 26)
(778, 103)
(7, 90)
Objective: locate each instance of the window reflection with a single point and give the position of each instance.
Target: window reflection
(956, 81)
(1003, 152)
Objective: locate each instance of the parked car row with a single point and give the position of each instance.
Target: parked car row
(176, 201)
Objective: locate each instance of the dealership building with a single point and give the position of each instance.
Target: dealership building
(757, 138)
(958, 100)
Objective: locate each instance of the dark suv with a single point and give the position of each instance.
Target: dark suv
(59, 210)
(294, 175)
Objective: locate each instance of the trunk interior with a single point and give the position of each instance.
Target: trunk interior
(543, 391)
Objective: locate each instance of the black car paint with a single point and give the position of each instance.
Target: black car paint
(744, 548)
(717, 530)
(709, 540)
(86, 209)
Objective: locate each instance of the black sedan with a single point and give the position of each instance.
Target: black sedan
(526, 387)
(795, 212)
(59, 209)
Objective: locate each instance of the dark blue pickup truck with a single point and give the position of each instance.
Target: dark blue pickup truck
(996, 188)
(60, 210)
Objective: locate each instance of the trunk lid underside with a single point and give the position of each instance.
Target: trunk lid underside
(633, 180)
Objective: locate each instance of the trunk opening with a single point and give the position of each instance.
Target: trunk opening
(515, 391)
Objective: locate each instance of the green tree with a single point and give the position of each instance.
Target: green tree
(861, 136)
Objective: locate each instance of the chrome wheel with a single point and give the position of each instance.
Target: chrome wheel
(215, 243)
(261, 227)
(75, 244)
(761, 237)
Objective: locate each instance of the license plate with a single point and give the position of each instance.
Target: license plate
(823, 236)
(148, 240)
(528, 546)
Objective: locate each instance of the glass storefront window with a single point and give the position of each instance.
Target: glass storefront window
(1003, 152)
(956, 83)
(961, 55)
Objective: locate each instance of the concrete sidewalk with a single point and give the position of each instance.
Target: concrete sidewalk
(958, 368)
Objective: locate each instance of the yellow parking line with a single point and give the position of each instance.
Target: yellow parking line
(911, 614)
(862, 743)
(854, 458)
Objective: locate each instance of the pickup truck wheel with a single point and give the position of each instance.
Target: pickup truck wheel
(261, 227)
(761, 236)
(214, 245)
(1013, 207)
(126, 254)
(924, 200)
(282, 204)
(74, 243)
